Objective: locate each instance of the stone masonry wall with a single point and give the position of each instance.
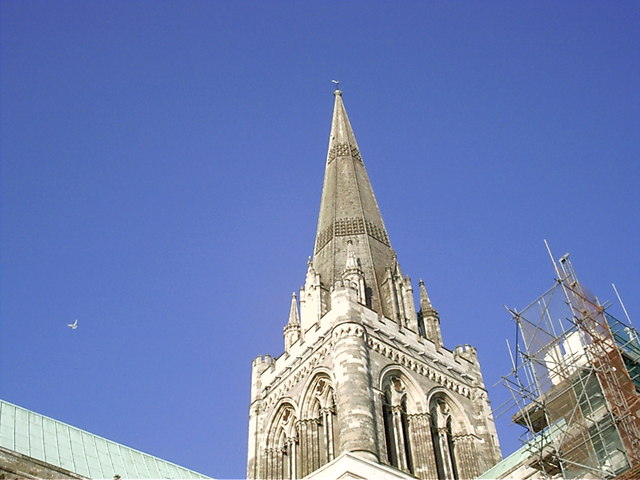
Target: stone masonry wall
(14, 466)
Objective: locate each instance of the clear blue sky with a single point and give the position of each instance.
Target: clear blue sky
(161, 171)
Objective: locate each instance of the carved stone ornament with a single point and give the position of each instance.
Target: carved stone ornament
(397, 392)
(289, 425)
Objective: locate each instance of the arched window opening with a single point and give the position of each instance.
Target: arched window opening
(281, 452)
(325, 406)
(319, 429)
(450, 444)
(387, 416)
(404, 423)
(443, 441)
(396, 425)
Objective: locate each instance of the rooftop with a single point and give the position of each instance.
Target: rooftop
(84, 453)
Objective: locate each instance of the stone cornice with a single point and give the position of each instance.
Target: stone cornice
(396, 355)
(299, 370)
(301, 366)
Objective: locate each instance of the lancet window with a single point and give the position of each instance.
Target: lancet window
(443, 440)
(282, 444)
(396, 425)
(318, 426)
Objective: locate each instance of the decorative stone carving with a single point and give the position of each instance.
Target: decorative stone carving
(343, 150)
(324, 395)
(397, 392)
(289, 425)
(351, 226)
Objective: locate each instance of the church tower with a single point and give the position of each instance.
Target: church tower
(365, 381)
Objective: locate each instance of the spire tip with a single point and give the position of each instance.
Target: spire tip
(337, 91)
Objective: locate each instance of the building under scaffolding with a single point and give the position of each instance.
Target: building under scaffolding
(576, 388)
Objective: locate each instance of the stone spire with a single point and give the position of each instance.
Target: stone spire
(349, 213)
(292, 329)
(425, 301)
(363, 375)
(429, 317)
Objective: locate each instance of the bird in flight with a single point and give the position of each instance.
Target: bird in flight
(73, 325)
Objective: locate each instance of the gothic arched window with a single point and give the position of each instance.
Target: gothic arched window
(396, 425)
(443, 440)
(318, 427)
(281, 452)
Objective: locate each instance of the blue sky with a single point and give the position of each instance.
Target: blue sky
(161, 171)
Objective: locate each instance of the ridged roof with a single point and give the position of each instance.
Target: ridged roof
(78, 451)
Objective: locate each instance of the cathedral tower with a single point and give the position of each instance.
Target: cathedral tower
(364, 377)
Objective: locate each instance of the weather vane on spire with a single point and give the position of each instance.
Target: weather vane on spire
(337, 82)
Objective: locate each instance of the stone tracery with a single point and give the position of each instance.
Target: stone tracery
(318, 429)
(281, 450)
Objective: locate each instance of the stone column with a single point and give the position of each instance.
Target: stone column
(315, 448)
(292, 458)
(307, 446)
(379, 400)
(302, 448)
(398, 433)
(254, 458)
(443, 445)
(353, 394)
(256, 435)
(466, 456)
(327, 422)
(422, 446)
(267, 464)
(441, 416)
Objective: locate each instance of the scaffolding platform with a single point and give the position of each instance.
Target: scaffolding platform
(575, 384)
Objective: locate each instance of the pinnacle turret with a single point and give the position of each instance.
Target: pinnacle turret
(425, 301)
(429, 318)
(294, 319)
(292, 331)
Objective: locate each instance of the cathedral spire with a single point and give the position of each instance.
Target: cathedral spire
(349, 212)
(364, 381)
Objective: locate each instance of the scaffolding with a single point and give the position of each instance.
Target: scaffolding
(575, 383)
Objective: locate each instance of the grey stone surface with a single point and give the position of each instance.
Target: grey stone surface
(366, 375)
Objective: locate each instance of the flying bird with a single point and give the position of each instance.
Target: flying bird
(73, 325)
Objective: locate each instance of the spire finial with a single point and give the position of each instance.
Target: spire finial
(294, 319)
(425, 301)
(337, 91)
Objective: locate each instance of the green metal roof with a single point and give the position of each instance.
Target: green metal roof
(506, 465)
(526, 451)
(78, 451)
